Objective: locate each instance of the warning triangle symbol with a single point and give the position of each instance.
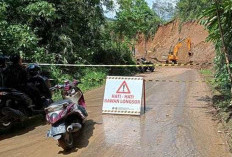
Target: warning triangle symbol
(123, 89)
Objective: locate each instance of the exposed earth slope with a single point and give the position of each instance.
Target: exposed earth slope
(167, 37)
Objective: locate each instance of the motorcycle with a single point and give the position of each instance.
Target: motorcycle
(144, 62)
(16, 106)
(41, 82)
(67, 116)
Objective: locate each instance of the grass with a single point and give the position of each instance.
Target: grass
(221, 101)
(209, 78)
(206, 72)
(91, 78)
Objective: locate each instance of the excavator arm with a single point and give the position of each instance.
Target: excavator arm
(176, 49)
(188, 40)
(174, 56)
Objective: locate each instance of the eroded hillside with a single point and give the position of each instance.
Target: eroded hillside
(168, 36)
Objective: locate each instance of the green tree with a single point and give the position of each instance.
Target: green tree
(65, 29)
(191, 9)
(59, 31)
(134, 17)
(217, 19)
(16, 37)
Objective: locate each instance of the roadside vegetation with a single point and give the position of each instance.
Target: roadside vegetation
(216, 17)
(206, 12)
(75, 32)
(188, 10)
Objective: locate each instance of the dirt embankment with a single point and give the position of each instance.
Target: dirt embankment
(168, 36)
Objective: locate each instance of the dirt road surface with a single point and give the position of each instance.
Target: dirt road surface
(178, 123)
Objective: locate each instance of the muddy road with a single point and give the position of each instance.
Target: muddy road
(178, 123)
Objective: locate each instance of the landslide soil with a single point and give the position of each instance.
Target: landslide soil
(178, 123)
(167, 37)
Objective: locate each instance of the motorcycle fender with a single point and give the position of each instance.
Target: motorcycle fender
(56, 130)
(57, 137)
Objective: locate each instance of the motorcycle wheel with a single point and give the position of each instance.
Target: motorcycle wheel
(66, 141)
(145, 69)
(152, 69)
(140, 68)
(6, 123)
(5, 126)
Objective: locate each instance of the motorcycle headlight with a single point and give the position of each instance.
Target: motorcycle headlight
(54, 117)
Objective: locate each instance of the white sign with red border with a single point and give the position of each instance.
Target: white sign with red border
(123, 95)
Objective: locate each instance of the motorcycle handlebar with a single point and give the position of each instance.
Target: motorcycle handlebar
(56, 87)
(62, 86)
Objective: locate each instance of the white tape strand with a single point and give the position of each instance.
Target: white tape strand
(145, 65)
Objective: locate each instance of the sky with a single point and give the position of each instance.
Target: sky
(150, 2)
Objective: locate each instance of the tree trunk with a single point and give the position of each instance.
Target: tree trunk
(224, 47)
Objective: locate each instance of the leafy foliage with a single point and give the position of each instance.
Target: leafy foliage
(73, 31)
(210, 20)
(65, 29)
(134, 17)
(191, 9)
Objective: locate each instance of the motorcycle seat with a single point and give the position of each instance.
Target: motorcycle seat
(61, 102)
(57, 105)
(4, 89)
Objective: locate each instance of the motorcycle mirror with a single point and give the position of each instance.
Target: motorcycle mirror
(46, 110)
(66, 81)
(76, 82)
(60, 86)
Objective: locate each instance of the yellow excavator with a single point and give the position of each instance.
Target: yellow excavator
(173, 56)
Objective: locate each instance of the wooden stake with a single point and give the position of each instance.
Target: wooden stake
(144, 95)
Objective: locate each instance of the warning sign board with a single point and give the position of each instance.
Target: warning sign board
(123, 89)
(123, 95)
